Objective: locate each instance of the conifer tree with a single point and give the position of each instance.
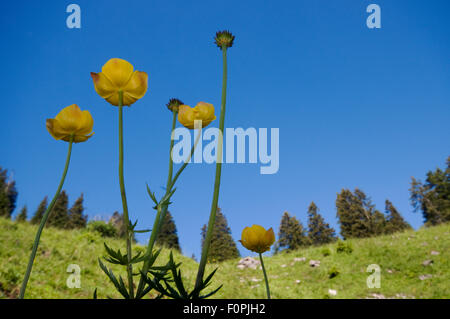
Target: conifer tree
(8, 194)
(22, 216)
(432, 198)
(379, 223)
(76, 217)
(222, 245)
(167, 236)
(36, 219)
(319, 232)
(117, 221)
(291, 235)
(59, 216)
(394, 221)
(357, 215)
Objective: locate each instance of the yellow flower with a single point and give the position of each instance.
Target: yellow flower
(118, 75)
(71, 121)
(201, 112)
(257, 239)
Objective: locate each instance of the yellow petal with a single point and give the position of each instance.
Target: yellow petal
(135, 88)
(205, 110)
(186, 116)
(54, 130)
(269, 237)
(69, 118)
(80, 138)
(103, 85)
(86, 123)
(118, 71)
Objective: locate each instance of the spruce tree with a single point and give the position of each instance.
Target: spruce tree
(291, 235)
(357, 215)
(8, 194)
(76, 217)
(432, 198)
(167, 236)
(117, 221)
(59, 216)
(222, 245)
(22, 216)
(36, 219)
(319, 232)
(394, 221)
(379, 223)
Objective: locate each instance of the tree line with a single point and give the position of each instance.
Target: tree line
(356, 214)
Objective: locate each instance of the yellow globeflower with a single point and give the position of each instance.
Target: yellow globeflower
(257, 239)
(201, 112)
(71, 121)
(118, 75)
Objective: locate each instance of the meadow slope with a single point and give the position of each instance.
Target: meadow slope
(400, 257)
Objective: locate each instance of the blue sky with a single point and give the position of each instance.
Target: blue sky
(356, 107)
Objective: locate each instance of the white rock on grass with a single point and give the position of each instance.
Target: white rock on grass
(425, 277)
(332, 292)
(248, 262)
(427, 262)
(314, 263)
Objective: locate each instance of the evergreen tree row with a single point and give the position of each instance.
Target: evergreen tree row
(60, 216)
(359, 218)
(292, 235)
(356, 215)
(8, 194)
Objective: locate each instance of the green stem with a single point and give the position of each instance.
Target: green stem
(126, 218)
(265, 276)
(43, 221)
(169, 176)
(162, 209)
(180, 170)
(212, 215)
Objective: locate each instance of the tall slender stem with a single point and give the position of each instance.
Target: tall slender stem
(212, 216)
(126, 218)
(43, 221)
(265, 276)
(169, 175)
(162, 209)
(180, 170)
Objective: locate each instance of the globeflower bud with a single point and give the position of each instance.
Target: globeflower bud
(174, 105)
(224, 39)
(71, 121)
(257, 239)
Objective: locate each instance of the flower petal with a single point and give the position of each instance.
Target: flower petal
(136, 87)
(103, 86)
(69, 118)
(54, 129)
(118, 71)
(186, 116)
(86, 123)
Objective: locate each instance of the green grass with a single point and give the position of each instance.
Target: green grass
(400, 257)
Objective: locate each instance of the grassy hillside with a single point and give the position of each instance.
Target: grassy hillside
(400, 257)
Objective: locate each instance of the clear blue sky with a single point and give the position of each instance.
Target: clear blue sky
(356, 107)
